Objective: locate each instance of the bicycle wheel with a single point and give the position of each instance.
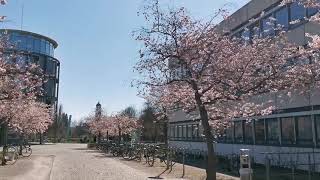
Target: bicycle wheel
(26, 151)
(151, 159)
(11, 155)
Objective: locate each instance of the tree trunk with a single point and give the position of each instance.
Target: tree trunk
(99, 138)
(4, 142)
(165, 133)
(211, 160)
(119, 140)
(20, 145)
(40, 138)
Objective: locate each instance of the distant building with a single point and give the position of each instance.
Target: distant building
(295, 127)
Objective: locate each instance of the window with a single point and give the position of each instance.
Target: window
(172, 131)
(13, 39)
(43, 47)
(248, 132)
(195, 131)
(287, 125)
(50, 87)
(268, 26)
(229, 134)
(297, 11)
(51, 66)
(317, 124)
(238, 132)
(272, 131)
(42, 62)
(312, 11)
(37, 45)
(176, 132)
(179, 132)
(47, 48)
(189, 129)
(260, 131)
(184, 130)
(282, 19)
(29, 43)
(51, 50)
(255, 30)
(245, 36)
(304, 130)
(21, 42)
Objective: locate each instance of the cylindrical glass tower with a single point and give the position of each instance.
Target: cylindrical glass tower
(38, 49)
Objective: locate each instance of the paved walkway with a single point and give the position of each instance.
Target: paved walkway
(69, 162)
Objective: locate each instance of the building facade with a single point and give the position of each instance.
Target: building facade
(38, 49)
(295, 126)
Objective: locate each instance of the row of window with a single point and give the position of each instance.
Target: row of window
(184, 132)
(31, 43)
(282, 17)
(297, 130)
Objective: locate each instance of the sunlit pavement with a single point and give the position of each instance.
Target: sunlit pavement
(69, 162)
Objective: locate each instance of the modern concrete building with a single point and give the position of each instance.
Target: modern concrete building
(295, 127)
(38, 49)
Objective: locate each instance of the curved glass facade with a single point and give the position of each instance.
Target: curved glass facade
(31, 43)
(38, 49)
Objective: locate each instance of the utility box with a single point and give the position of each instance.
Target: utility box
(245, 165)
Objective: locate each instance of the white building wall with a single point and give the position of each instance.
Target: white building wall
(257, 152)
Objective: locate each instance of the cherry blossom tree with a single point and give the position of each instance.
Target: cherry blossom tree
(20, 84)
(33, 117)
(115, 125)
(189, 64)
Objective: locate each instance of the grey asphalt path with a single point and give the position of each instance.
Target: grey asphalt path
(69, 162)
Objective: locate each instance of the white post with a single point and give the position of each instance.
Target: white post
(245, 165)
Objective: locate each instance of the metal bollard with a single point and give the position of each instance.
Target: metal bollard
(267, 168)
(183, 159)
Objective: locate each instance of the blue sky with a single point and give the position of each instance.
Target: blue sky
(96, 49)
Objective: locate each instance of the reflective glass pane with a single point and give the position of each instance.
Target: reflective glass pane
(189, 131)
(229, 133)
(248, 135)
(260, 131)
(21, 42)
(304, 130)
(184, 132)
(282, 18)
(47, 48)
(317, 121)
(42, 62)
(29, 43)
(176, 131)
(268, 26)
(37, 45)
(287, 130)
(180, 132)
(195, 129)
(43, 47)
(272, 131)
(50, 49)
(255, 29)
(297, 11)
(245, 35)
(50, 87)
(312, 11)
(172, 131)
(238, 133)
